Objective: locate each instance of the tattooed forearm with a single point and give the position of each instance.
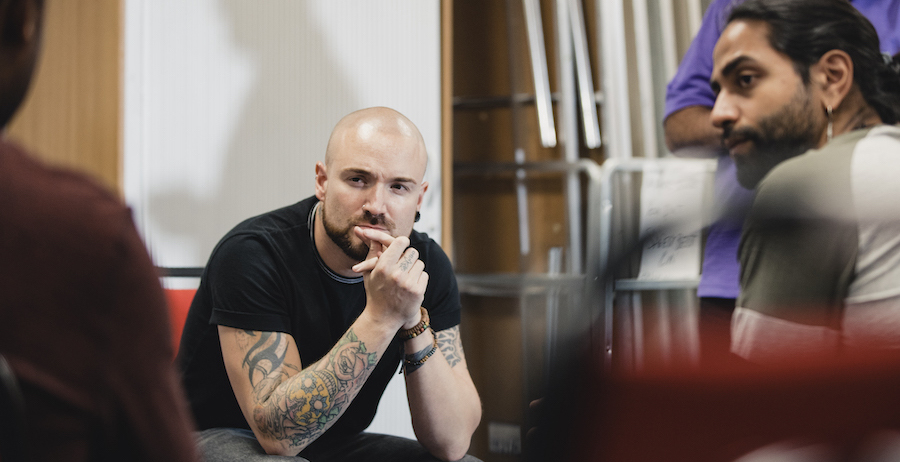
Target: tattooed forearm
(349, 359)
(302, 409)
(308, 402)
(450, 345)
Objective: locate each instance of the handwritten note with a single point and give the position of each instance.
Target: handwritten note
(671, 219)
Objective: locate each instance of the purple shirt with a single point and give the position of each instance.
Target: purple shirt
(690, 87)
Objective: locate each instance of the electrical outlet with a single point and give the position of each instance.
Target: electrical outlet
(504, 438)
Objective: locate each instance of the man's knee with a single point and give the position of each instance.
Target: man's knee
(235, 445)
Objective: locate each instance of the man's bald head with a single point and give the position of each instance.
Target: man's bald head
(375, 126)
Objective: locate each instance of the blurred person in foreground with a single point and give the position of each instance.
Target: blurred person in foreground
(689, 101)
(83, 319)
(807, 104)
(304, 313)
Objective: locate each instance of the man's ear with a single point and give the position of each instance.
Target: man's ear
(422, 193)
(833, 73)
(321, 180)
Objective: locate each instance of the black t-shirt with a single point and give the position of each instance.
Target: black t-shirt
(265, 275)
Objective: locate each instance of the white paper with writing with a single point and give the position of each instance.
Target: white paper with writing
(671, 219)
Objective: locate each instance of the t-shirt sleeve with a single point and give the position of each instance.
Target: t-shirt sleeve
(246, 286)
(797, 260)
(442, 293)
(797, 256)
(690, 85)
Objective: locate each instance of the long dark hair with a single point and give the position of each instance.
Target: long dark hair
(804, 30)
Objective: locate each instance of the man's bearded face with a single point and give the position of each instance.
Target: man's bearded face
(342, 233)
(789, 131)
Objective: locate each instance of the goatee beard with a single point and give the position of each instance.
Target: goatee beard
(767, 156)
(789, 132)
(343, 236)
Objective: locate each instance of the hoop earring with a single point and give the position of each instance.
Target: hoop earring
(418, 216)
(829, 132)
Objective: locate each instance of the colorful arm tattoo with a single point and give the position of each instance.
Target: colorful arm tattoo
(299, 406)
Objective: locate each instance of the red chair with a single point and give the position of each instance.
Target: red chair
(179, 303)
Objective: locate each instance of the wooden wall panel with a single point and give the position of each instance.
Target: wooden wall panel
(491, 60)
(447, 126)
(503, 336)
(71, 116)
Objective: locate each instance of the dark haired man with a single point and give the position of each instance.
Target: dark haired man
(689, 101)
(304, 313)
(820, 251)
(83, 319)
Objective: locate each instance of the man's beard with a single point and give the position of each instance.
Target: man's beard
(342, 236)
(787, 133)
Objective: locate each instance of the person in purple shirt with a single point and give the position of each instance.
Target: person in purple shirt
(689, 132)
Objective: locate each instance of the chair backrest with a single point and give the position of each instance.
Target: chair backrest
(179, 304)
(12, 416)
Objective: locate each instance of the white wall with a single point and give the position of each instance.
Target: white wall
(229, 103)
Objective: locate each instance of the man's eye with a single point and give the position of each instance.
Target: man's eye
(745, 80)
(399, 187)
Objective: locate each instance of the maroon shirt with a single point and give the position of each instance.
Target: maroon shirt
(83, 321)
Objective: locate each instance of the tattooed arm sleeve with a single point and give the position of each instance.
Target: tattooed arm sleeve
(286, 405)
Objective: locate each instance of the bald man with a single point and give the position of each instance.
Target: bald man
(304, 313)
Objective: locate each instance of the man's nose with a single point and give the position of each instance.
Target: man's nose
(376, 201)
(724, 112)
